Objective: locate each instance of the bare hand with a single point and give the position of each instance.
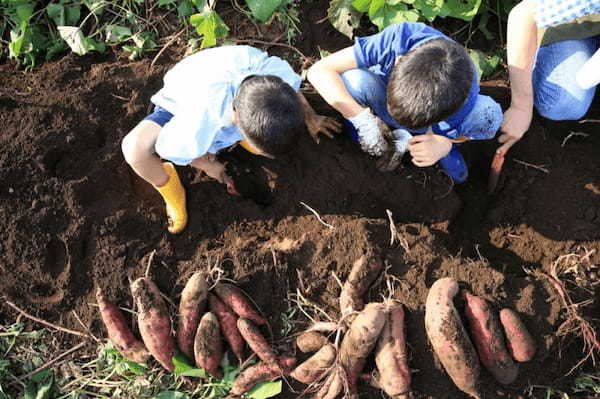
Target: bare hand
(322, 124)
(427, 149)
(516, 123)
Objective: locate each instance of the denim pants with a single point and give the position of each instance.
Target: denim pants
(557, 96)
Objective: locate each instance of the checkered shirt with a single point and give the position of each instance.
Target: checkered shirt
(556, 12)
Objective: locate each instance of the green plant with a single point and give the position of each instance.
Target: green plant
(208, 24)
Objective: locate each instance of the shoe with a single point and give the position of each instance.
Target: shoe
(454, 165)
(174, 195)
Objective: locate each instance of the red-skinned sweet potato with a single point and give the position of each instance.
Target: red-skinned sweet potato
(520, 343)
(118, 331)
(228, 323)
(313, 367)
(363, 274)
(256, 341)
(449, 338)
(154, 322)
(391, 356)
(191, 308)
(359, 342)
(489, 339)
(311, 341)
(260, 372)
(237, 301)
(208, 349)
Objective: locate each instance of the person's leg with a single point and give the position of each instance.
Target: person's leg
(369, 90)
(557, 95)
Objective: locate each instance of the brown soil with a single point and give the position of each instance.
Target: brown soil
(75, 216)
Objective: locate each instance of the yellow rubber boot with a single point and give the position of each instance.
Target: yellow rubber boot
(174, 195)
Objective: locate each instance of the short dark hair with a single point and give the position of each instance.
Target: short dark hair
(429, 84)
(269, 113)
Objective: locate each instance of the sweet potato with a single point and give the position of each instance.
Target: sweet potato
(118, 331)
(448, 336)
(363, 274)
(312, 368)
(333, 386)
(191, 307)
(489, 339)
(256, 341)
(260, 372)
(390, 355)
(235, 298)
(208, 349)
(228, 322)
(154, 321)
(359, 341)
(520, 343)
(311, 341)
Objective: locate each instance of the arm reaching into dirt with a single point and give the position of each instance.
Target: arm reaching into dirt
(325, 77)
(318, 123)
(208, 164)
(521, 49)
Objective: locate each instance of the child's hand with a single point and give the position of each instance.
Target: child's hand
(428, 148)
(322, 124)
(371, 133)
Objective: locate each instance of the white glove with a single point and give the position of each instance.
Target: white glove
(401, 138)
(369, 135)
(589, 74)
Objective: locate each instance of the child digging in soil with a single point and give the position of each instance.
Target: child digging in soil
(418, 82)
(213, 100)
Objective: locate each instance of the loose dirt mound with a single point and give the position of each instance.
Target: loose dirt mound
(74, 215)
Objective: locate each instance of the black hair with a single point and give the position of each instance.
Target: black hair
(269, 113)
(429, 83)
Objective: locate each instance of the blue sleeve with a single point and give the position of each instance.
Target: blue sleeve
(383, 48)
(483, 121)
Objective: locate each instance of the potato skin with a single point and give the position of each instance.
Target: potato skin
(489, 339)
(359, 341)
(315, 366)
(332, 387)
(256, 341)
(363, 274)
(520, 343)
(260, 372)
(235, 298)
(154, 322)
(208, 348)
(191, 308)
(118, 331)
(311, 341)
(228, 322)
(449, 338)
(390, 355)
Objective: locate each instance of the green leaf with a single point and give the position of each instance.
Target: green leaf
(343, 16)
(183, 368)
(56, 12)
(202, 5)
(383, 14)
(485, 65)
(210, 26)
(95, 6)
(73, 13)
(24, 12)
(265, 390)
(39, 385)
(429, 9)
(165, 2)
(463, 9)
(17, 40)
(263, 9)
(172, 395)
(117, 33)
(185, 9)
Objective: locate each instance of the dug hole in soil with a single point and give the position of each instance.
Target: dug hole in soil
(75, 216)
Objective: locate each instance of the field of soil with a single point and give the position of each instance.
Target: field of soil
(74, 216)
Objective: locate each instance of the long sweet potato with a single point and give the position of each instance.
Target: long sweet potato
(256, 341)
(235, 298)
(311, 341)
(208, 349)
(191, 307)
(363, 274)
(154, 321)
(520, 343)
(489, 339)
(228, 323)
(313, 367)
(260, 372)
(390, 356)
(448, 337)
(118, 331)
(333, 386)
(359, 342)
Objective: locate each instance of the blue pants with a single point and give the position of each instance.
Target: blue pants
(557, 95)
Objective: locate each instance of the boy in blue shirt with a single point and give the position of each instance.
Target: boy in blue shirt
(412, 88)
(213, 100)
